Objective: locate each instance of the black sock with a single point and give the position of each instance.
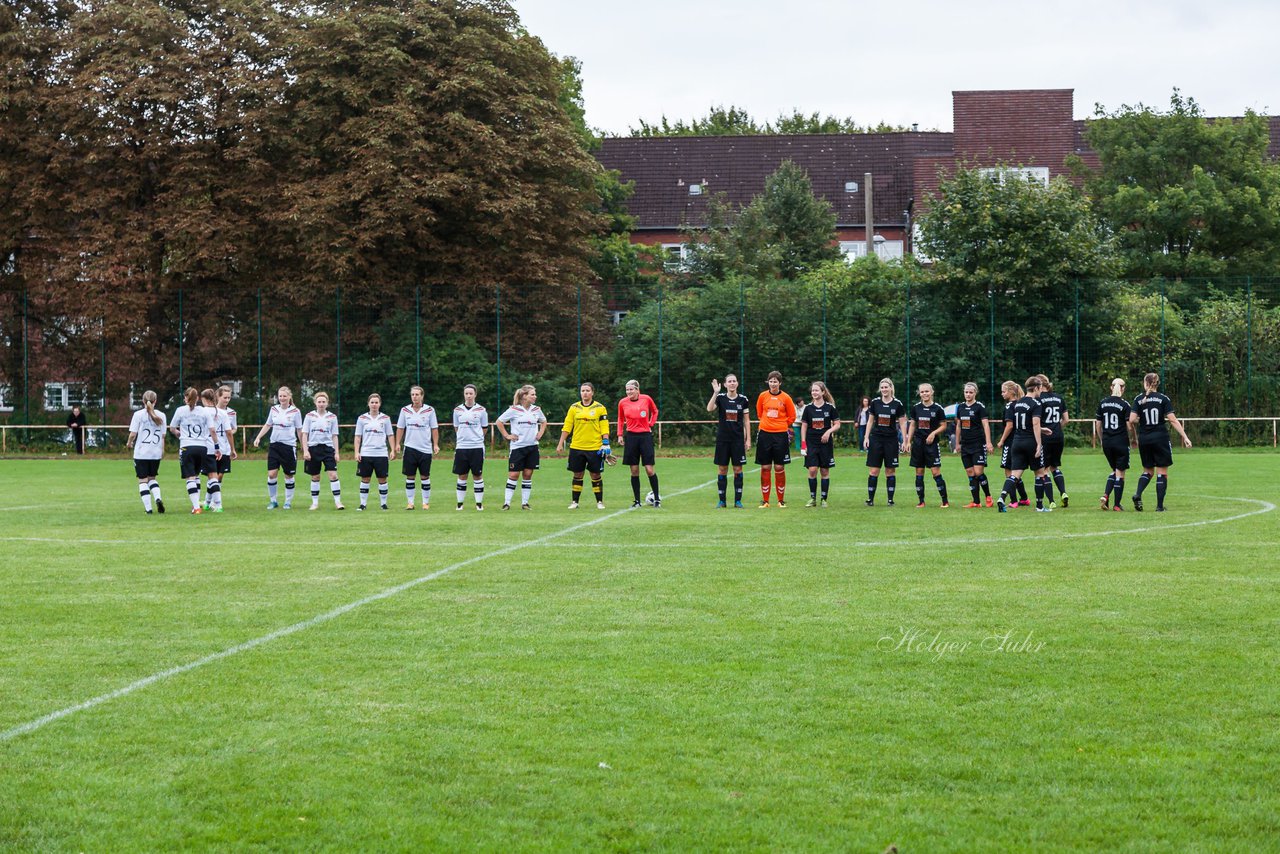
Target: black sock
(1048, 488)
(973, 487)
(1039, 486)
(1022, 490)
(1142, 484)
(826, 486)
(737, 487)
(722, 484)
(813, 488)
(1119, 491)
(920, 488)
(891, 484)
(635, 487)
(653, 484)
(577, 488)
(1162, 483)
(871, 486)
(1010, 492)
(942, 487)
(986, 486)
(597, 486)
(1111, 484)
(1060, 481)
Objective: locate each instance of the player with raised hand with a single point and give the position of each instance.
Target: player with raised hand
(733, 435)
(819, 421)
(926, 425)
(522, 425)
(637, 413)
(321, 429)
(587, 422)
(974, 443)
(418, 437)
(470, 420)
(226, 424)
(193, 425)
(1111, 424)
(1055, 417)
(1152, 414)
(146, 438)
(375, 448)
(284, 423)
(1026, 450)
(776, 412)
(887, 417)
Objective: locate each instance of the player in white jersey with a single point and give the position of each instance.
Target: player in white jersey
(527, 424)
(213, 486)
(146, 437)
(418, 436)
(470, 420)
(284, 423)
(375, 448)
(321, 428)
(193, 425)
(225, 425)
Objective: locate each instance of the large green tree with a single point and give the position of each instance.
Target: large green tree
(1186, 195)
(783, 232)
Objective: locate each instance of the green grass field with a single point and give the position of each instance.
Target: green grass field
(682, 678)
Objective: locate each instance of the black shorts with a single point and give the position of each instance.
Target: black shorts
(1022, 455)
(1117, 453)
(468, 461)
(975, 456)
(146, 468)
(732, 451)
(925, 456)
(1156, 455)
(820, 456)
(195, 460)
(321, 458)
(1053, 452)
(282, 456)
(638, 449)
(524, 459)
(882, 451)
(373, 467)
(222, 465)
(416, 463)
(589, 460)
(772, 449)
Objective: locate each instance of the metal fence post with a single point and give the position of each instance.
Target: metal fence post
(1248, 339)
(992, 358)
(26, 372)
(417, 334)
(579, 336)
(102, 328)
(660, 289)
(1164, 373)
(337, 351)
(824, 331)
(261, 390)
(908, 380)
(742, 332)
(497, 310)
(1077, 343)
(182, 334)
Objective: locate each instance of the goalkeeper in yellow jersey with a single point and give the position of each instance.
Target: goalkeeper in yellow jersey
(588, 423)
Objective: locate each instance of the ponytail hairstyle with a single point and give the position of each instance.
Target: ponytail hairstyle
(220, 389)
(1011, 386)
(1151, 381)
(149, 401)
(1117, 387)
(1033, 384)
(192, 396)
(826, 392)
(520, 394)
(1044, 382)
(207, 397)
(973, 386)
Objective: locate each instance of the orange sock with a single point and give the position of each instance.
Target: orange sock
(765, 484)
(781, 478)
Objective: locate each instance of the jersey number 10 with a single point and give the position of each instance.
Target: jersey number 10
(1152, 417)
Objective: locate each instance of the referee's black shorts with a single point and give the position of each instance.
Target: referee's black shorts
(638, 449)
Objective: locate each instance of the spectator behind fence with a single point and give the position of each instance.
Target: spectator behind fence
(864, 409)
(76, 422)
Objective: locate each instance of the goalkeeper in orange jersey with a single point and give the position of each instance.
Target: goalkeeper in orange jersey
(776, 412)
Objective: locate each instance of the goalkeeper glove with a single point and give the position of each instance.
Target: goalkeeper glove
(605, 449)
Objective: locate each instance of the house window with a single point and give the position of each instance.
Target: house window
(615, 317)
(63, 396)
(675, 257)
(1004, 174)
(853, 249)
(6, 397)
(695, 189)
(886, 250)
(851, 186)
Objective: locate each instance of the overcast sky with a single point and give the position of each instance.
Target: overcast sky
(899, 63)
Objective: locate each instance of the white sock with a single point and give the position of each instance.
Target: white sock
(336, 488)
(364, 493)
(155, 489)
(288, 490)
(217, 495)
(272, 490)
(511, 490)
(214, 493)
(383, 489)
(146, 496)
(426, 491)
(526, 489)
(193, 492)
(408, 492)
(315, 492)
(462, 491)
(477, 489)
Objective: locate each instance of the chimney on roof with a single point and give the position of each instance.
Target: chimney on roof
(915, 127)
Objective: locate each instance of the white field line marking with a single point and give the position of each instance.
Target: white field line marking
(1265, 507)
(33, 725)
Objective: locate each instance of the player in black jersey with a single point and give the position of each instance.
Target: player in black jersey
(973, 443)
(733, 435)
(1055, 417)
(1152, 414)
(927, 424)
(1025, 448)
(1011, 392)
(887, 425)
(1111, 425)
(818, 423)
